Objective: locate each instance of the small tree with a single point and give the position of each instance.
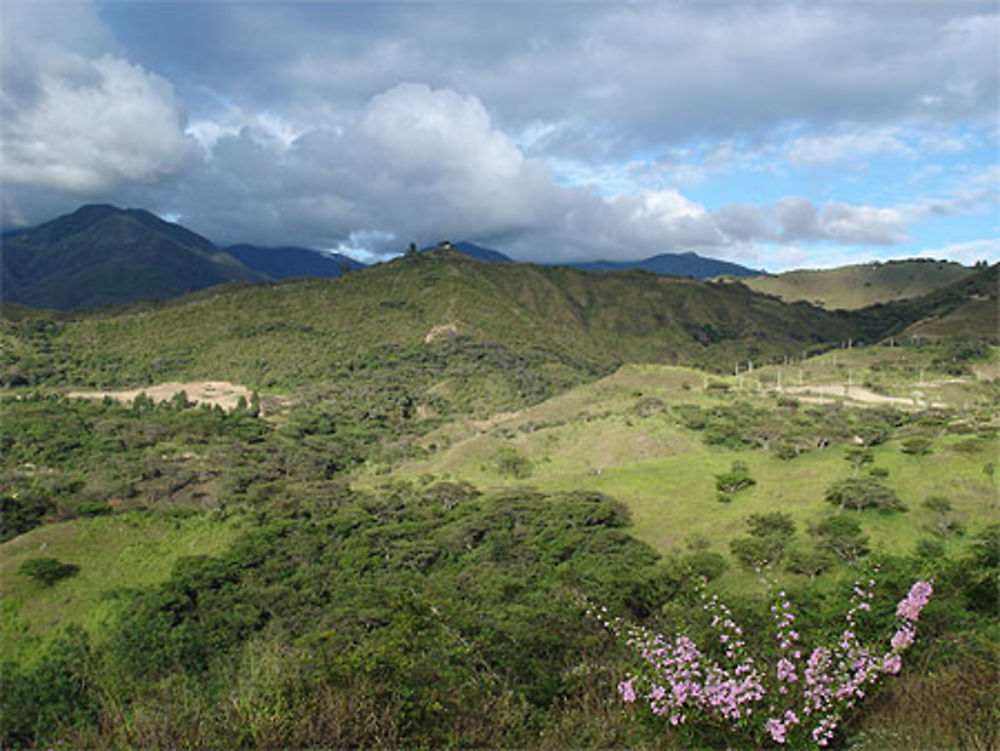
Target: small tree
(858, 456)
(736, 479)
(770, 534)
(810, 562)
(859, 493)
(751, 552)
(841, 535)
(945, 522)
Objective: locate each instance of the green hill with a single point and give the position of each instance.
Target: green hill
(307, 330)
(858, 286)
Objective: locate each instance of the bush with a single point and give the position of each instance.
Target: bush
(511, 463)
(736, 479)
(47, 570)
(752, 552)
(706, 564)
(809, 562)
(917, 445)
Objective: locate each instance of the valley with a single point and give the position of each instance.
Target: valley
(374, 510)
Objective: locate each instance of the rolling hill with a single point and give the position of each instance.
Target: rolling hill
(579, 323)
(858, 286)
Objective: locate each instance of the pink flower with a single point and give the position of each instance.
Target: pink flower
(902, 638)
(627, 690)
(892, 664)
(910, 606)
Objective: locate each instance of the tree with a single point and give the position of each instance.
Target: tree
(841, 535)
(916, 445)
(858, 456)
(770, 534)
(945, 522)
(751, 552)
(810, 562)
(859, 493)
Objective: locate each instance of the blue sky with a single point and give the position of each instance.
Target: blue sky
(774, 134)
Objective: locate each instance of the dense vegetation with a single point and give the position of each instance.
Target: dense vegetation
(365, 554)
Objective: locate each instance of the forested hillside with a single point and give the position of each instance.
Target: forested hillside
(406, 507)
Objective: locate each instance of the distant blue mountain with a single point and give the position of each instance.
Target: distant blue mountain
(667, 264)
(673, 264)
(290, 261)
(103, 255)
(473, 251)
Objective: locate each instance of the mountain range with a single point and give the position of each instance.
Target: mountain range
(103, 255)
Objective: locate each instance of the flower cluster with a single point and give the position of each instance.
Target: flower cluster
(789, 700)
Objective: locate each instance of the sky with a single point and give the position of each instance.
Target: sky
(773, 134)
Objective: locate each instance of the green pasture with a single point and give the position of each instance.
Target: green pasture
(133, 550)
(618, 437)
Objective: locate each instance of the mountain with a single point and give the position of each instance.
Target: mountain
(285, 262)
(861, 285)
(673, 264)
(472, 251)
(103, 255)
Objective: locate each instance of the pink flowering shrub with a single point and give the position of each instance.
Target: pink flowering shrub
(796, 699)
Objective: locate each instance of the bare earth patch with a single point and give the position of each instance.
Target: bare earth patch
(220, 393)
(863, 395)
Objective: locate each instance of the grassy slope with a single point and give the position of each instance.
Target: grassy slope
(665, 474)
(852, 287)
(113, 552)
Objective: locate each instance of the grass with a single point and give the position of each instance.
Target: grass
(595, 438)
(113, 552)
(852, 287)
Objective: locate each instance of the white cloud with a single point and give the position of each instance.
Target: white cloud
(77, 120)
(967, 253)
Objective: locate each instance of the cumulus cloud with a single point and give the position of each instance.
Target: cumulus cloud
(557, 132)
(969, 252)
(78, 120)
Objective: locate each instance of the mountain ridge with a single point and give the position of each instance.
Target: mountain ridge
(103, 255)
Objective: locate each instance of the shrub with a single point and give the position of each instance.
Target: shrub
(736, 479)
(706, 564)
(916, 445)
(47, 570)
(725, 696)
(511, 463)
(751, 552)
(785, 450)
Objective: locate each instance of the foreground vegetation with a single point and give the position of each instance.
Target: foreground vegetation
(397, 543)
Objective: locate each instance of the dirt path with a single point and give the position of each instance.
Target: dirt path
(221, 393)
(860, 394)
